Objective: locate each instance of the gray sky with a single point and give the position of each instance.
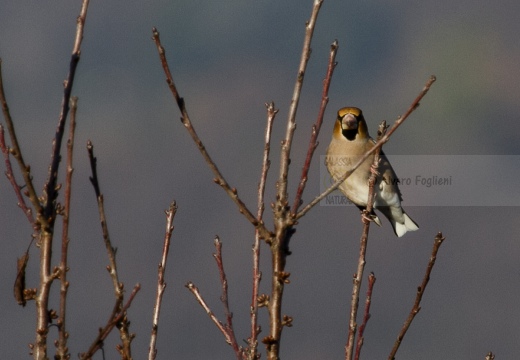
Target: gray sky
(228, 59)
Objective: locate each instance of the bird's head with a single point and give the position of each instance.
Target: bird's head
(351, 124)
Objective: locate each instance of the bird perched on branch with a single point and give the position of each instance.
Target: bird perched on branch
(350, 141)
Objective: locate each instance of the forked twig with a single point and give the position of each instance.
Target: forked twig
(116, 318)
(358, 276)
(380, 143)
(418, 297)
(161, 285)
(223, 328)
(24, 168)
(313, 142)
(219, 178)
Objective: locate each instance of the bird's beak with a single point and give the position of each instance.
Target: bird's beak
(349, 122)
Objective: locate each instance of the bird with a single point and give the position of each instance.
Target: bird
(350, 141)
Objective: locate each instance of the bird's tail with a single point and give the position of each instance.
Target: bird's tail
(408, 225)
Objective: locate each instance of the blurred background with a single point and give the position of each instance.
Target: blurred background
(228, 59)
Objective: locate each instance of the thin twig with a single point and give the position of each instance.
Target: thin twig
(50, 189)
(420, 292)
(358, 276)
(111, 252)
(313, 143)
(291, 121)
(185, 119)
(117, 316)
(252, 351)
(224, 298)
(380, 143)
(10, 176)
(223, 328)
(283, 221)
(161, 285)
(366, 315)
(24, 168)
(62, 349)
(50, 193)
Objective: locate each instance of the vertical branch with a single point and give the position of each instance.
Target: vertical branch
(255, 329)
(282, 220)
(291, 121)
(111, 251)
(62, 350)
(358, 276)
(366, 315)
(161, 285)
(50, 188)
(313, 143)
(224, 298)
(420, 292)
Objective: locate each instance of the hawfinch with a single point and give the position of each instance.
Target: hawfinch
(350, 140)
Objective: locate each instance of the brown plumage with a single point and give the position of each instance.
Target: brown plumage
(350, 140)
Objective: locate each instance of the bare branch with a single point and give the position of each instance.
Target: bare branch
(219, 178)
(224, 298)
(380, 143)
(111, 251)
(420, 292)
(366, 315)
(283, 221)
(358, 276)
(223, 328)
(50, 190)
(252, 350)
(24, 168)
(161, 285)
(313, 143)
(291, 121)
(62, 349)
(116, 318)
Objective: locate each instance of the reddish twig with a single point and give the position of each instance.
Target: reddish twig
(366, 315)
(116, 318)
(420, 292)
(380, 143)
(161, 285)
(24, 168)
(219, 178)
(10, 176)
(61, 345)
(358, 276)
(224, 298)
(313, 143)
(252, 350)
(223, 328)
